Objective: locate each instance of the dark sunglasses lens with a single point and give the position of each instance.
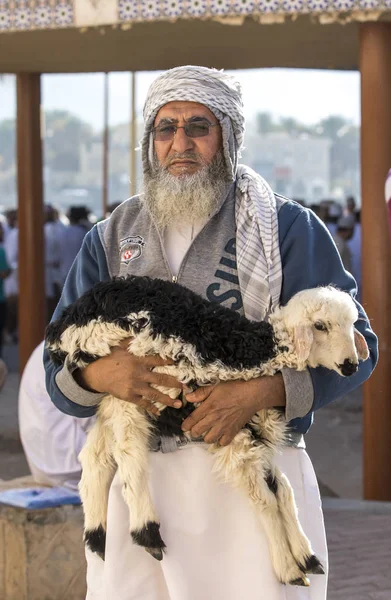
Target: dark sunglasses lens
(195, 130)
(165, 133)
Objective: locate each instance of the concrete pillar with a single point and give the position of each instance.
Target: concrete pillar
(375, 68)
(105, 165)
(32, 308)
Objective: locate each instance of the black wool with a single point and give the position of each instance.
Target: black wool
(216, 332)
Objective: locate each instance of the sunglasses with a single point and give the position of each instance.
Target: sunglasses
(167, 131)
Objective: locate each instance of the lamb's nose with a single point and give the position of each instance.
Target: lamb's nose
(348, 367)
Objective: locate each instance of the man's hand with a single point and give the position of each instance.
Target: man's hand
(226, 407)
(129, 378)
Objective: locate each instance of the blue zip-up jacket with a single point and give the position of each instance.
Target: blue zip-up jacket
(309, 259)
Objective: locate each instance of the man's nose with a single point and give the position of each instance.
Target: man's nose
(182, 142)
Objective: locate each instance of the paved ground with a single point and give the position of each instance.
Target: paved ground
(359, 540)
(334, 444)
(359, 533)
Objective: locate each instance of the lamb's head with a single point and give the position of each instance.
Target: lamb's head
(321, 323)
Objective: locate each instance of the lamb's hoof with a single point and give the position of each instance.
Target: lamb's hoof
(302, 581)
(155, 552)
(149, 538)
(313, 566)
(95, 539)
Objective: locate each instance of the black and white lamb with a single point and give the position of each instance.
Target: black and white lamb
(209, 343)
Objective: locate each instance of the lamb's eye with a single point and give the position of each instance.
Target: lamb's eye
(320, 326)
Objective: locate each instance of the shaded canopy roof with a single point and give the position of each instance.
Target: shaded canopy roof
(90, 35)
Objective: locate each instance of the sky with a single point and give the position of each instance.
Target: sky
(306, 95)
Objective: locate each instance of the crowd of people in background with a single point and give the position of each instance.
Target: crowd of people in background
(63, 236)
(62, 243)
(344, 225)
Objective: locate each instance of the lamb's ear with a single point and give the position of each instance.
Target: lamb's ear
(361, 345)
(303, 338)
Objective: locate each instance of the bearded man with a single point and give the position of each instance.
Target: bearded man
(218, 229)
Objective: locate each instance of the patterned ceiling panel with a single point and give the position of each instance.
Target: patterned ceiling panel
(19, 15)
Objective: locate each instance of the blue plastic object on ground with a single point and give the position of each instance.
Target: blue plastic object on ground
(40, 497)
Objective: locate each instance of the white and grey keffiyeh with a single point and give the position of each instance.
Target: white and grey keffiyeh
(257, 242)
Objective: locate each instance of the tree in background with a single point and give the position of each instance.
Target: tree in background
(7, 144)
(64, 135)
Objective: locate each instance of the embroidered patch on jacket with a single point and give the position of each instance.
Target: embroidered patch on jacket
(131, 248)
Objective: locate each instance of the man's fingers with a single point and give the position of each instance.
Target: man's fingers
(162, 379)
(155, 396)
(203, 426)
(200, 394)
(149, 407)
(213, 435)
(226, 439)
(196, 417)
(156, 361)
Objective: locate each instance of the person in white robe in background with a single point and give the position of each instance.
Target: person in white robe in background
(51, 440)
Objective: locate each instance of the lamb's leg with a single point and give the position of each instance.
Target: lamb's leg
(131, 451)
(271, 426)
(98, 469)
(246, 466)
(299, 543)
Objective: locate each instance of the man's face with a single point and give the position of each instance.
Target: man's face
(183, 155)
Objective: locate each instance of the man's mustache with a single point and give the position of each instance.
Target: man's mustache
(194, 156)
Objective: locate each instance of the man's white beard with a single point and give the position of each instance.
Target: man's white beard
(186, 199)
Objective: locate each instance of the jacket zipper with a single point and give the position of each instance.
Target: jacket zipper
(174, 278)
